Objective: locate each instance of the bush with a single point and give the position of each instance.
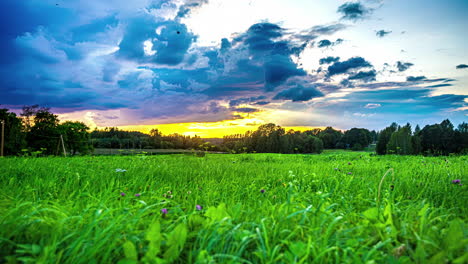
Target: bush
(357, 147)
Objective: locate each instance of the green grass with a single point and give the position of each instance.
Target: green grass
(70, 210)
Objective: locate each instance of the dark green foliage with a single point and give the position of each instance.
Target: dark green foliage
(115, 138)
(355, 136)
(76, 137)
(461, 138)
(384, 138)
(330, 137)
(270, 138)
(14, 136)
(313, 145)
(436, 139)
(44, 134)
(401, 142)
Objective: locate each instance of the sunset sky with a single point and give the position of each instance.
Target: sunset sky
(214, 67)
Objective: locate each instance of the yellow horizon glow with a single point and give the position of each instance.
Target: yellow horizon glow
(206, 129)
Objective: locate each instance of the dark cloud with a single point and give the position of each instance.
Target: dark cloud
(324, 43)
(345, 66)
(89, 31)
(189, 6)
(353, 11)
(440, 85)
(364, 76)
(298, 94)
(382, 33)
(403, 66)
(20, 17)
(316, 31)
(245, 110)
(225, 44)
(169, 46)
(416, 78)
(248, 100)
(278, 69)
(328, 60)
(462, 66)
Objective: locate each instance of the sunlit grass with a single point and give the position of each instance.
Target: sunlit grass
(315, 209)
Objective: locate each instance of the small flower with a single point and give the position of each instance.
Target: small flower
(349, 173)
(457, 181)
(189, 192)
(336, 168)
(120, 170)
(122, 194)
(199, 207)
(169, 192)
(137, 195)
(164, 211)
(262, 190)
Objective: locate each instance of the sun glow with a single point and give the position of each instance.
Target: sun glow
(208, 129)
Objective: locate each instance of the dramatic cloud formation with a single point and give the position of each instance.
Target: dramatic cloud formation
(145, 63)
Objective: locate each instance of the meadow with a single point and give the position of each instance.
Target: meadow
(336, 207)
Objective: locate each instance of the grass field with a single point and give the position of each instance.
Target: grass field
(252, 208)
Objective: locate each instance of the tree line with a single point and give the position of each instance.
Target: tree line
(37, 130)
(436, 139)
(271, 138)
(115, 138)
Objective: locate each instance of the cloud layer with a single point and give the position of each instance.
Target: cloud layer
(144, 61)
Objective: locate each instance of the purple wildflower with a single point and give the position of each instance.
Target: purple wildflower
(164, 211)
(122, 194)
(199, 207)
(349, 173)
(457, 181)
(137, 195)
(262, 190)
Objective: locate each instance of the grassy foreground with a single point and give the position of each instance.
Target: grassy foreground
(257, 208)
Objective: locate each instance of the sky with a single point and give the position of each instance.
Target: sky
(216, 67)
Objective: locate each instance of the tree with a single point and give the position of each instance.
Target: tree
(357, 135)
(28, 114)
(438, 138)
(76, 137)
(330, 137)
(384, 138)
(313, 145)
(461, 138)
(44, 134)
(14, 136)
(400, 141)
